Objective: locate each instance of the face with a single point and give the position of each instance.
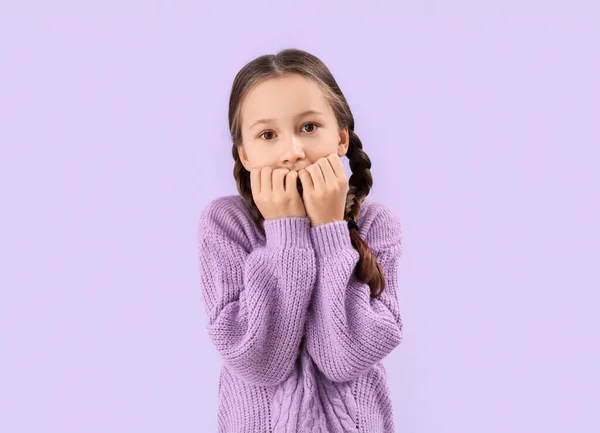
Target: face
(288, 123)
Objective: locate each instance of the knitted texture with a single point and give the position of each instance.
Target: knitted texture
(264, 294)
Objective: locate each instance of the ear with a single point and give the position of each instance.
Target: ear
(244, 157)
(344, 142)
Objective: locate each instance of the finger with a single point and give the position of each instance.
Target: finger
(327, 170)
(255, 181)
(265, 179)
(337, 165)
(317, 176)
(278, 176)
(306, 180)
(290, 181)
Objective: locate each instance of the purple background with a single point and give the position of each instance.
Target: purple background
(482, 123)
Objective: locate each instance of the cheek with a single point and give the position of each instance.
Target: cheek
(260, 158)
(318, 144)
(328, 139)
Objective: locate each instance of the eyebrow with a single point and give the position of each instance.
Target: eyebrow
(304, 113)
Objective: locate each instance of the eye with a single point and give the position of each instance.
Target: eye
(314, 125)
(267, 138)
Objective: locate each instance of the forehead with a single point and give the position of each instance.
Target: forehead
(283, 97)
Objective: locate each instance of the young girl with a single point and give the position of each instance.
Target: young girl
(299, 271)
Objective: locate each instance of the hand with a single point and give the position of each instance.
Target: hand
(273, 198)
(325, 187)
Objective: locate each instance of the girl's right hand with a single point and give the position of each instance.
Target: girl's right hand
(272, 197)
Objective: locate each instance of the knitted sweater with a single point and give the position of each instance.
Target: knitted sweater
(300, 338)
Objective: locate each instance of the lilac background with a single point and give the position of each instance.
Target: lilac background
(482, 122)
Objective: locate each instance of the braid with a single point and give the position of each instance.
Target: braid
(360, 181)
(367, 269)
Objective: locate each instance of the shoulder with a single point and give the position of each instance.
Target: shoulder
(227, 217)
(379, 224)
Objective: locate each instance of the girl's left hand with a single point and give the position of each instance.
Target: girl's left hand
(325, 187)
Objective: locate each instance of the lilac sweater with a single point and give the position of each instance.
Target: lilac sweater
(300, 338)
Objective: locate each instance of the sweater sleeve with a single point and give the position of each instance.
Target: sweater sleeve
(348, 331)
(256, 299)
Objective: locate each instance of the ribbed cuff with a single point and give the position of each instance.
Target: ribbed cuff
(288, 232)
(331, 238)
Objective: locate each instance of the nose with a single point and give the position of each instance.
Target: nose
(292, 151)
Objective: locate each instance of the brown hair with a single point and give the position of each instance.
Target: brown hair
(294, 61)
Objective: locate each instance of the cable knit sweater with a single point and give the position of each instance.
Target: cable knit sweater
(300, 338)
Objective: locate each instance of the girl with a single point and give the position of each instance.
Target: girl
(299, 271)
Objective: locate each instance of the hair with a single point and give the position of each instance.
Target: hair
(295, 61)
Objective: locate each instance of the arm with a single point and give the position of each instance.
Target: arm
(256, 299)
(347, 331)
